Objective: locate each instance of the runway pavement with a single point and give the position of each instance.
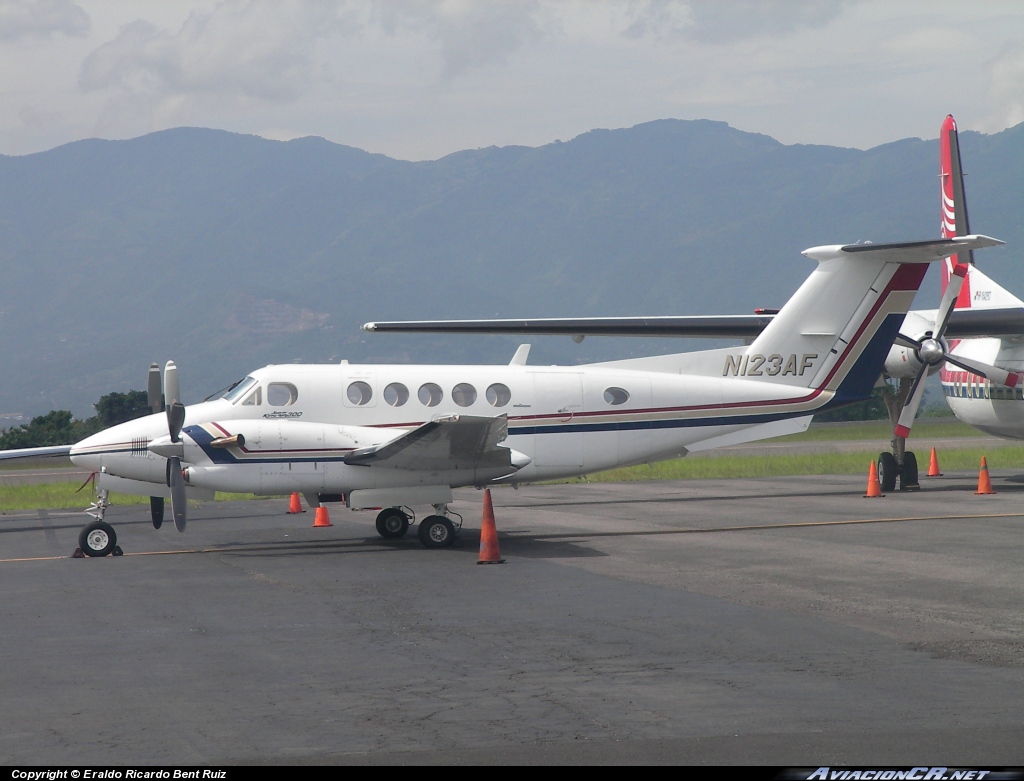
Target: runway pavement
(777, 621)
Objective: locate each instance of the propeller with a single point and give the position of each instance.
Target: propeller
(171, 447)
(175, 479)
(932, 351)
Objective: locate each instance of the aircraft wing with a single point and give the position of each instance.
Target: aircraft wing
(451, 442)
(36, 452)
(962, 324)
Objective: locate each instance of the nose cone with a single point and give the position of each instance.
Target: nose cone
(126, 440)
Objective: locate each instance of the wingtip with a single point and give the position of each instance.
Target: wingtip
(369, 327)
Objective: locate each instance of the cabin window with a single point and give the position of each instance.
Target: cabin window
(240, 389)
(359, 393)
(396, 394)
(464, 394)
(616, 396)
(498, 395)
(254, 399)
(281, 394)
(430, 394)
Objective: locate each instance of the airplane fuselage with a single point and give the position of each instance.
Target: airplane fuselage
(298, 422)
(990, 407)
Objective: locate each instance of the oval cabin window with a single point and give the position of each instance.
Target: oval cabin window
(498, 395)
(360, 393)
(616, 396)
(396, 394)
(430, 394)
(464, 394)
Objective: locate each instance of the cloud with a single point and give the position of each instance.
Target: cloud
(1007, 89)
(725, 22)
(255, 49)
(34, 19)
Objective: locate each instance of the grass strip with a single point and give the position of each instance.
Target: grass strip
(1011, 457)
(63, 496)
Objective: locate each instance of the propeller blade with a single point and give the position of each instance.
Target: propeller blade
(154, 393)
(956, 282)
(910, 408)
(906, 341)
(172, 392)
(989, 372)
(176, 482)
(175, 420)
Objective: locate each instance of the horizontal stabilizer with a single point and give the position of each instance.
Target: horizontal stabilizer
(963, 323)
(698, 326)
(904, 252)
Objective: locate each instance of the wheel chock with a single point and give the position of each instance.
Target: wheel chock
(78, 554)
(117, 551)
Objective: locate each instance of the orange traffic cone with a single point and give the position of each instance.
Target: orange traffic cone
(874, 489)
(322, 518)
(984, 483)
(933, 466)
(489, 534)
(295, 506)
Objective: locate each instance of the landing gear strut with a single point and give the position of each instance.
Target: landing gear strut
(901, 463)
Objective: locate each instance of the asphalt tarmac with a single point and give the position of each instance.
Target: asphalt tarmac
(780, 621)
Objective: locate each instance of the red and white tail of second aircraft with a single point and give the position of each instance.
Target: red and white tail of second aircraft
(983, 402)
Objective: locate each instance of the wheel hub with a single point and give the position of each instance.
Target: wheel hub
(438, 533)
(98, 539)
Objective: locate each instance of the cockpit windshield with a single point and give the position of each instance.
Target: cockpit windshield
(239, 390)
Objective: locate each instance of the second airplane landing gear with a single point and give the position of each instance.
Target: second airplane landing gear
(900, 464)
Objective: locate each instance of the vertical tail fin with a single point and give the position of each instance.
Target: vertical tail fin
(835, 332)
(953, 206)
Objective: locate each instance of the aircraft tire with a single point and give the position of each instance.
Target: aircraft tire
(156, 511)
(436, 531)
(97, 539)
(888, 470)
(392, 523)
(908, 475)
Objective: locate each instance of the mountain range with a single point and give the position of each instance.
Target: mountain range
(227, 252)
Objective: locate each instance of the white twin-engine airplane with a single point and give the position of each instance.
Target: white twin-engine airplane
(391, 436)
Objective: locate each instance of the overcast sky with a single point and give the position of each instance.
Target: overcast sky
(418, 79)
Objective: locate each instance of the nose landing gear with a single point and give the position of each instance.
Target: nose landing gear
(98, 538)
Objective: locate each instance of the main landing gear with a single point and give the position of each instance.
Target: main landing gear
(434, 531)
(900, 464)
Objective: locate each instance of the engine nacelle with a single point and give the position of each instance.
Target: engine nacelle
(906, 362)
